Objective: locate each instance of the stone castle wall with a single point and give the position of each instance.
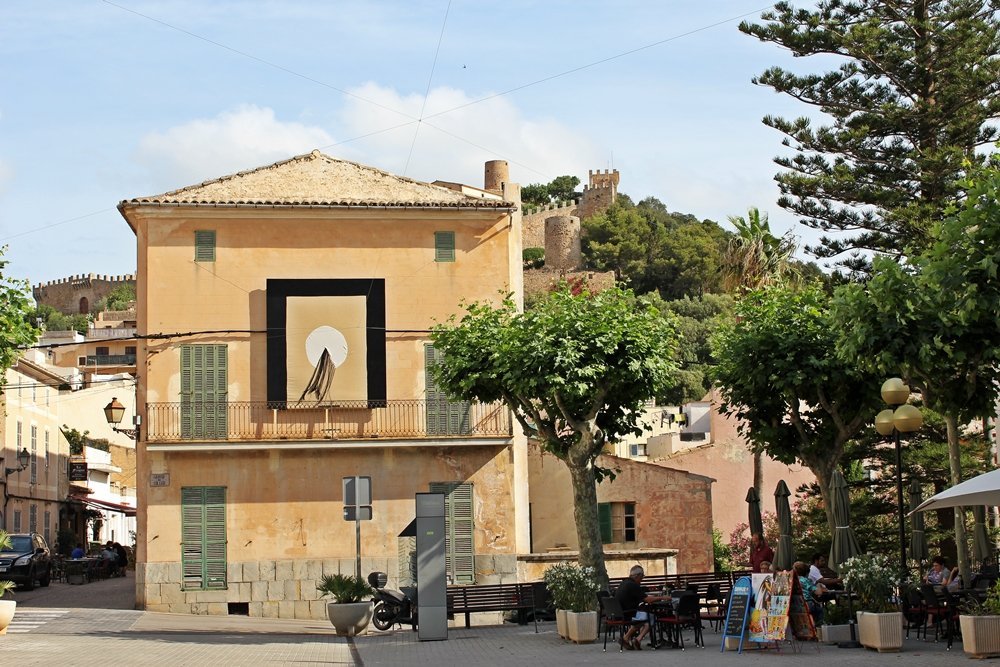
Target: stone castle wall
(533, 222)
(540, 281)
(66, 294)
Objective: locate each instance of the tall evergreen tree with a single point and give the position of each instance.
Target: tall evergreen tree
(918, 83)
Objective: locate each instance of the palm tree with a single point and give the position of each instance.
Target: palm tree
(756, 258)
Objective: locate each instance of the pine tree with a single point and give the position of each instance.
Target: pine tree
(910, 103)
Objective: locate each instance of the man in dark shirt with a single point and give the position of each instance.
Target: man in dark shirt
(630, 595)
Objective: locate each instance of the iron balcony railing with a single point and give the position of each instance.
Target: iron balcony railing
(249, 421)
(111, 360)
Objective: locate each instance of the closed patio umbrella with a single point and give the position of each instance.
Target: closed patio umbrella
(981, 547)
(753, 512)
(783, 556)
(845, 543)
(918, 541)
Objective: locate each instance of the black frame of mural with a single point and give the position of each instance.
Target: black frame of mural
(278, 291)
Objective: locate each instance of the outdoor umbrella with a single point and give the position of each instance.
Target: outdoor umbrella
(981, 547)
(845, 544)
(918, 541)
(783, 556)
(981, 490)
(753, 509)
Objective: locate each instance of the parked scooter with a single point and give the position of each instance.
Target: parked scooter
(391, 606)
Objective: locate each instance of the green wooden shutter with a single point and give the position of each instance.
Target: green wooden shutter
(444, 417)
(204, 245)
(604, 521)
(203, 537)
(444, 246)
(204, 391)
(460, 557)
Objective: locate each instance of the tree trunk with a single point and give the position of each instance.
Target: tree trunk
(824, 474)
(588, 530)
(955, 464)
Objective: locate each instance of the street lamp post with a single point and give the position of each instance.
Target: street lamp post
(23, 458)
(904, 419)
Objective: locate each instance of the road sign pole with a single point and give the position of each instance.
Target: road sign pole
(357, 542)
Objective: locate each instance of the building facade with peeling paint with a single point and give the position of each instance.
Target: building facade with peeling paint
(283, 317)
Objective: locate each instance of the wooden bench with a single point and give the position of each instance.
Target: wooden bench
(494, 597)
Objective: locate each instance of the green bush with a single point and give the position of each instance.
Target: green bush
(573, 588)
(533, 258)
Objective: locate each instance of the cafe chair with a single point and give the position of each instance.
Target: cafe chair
(933, 607)
(914, 612)
(714, 608)
(613, 619)
(685, 615)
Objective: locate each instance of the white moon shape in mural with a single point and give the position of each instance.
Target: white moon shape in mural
(329, 338)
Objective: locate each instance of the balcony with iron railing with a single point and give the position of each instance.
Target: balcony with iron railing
(345, 420)
(111, 360)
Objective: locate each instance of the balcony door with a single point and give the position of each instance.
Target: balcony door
(204, 391)
(444, 417)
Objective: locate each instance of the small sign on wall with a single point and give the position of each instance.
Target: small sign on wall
(159, 479)
(78, 471)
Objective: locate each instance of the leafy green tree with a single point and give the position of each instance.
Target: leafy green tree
(53, 320)
(16, 330)
(563, 188)
(917, 84)
(120, 298)
(933, 320)
(779, 374)
(535, 194)
(574, 370)
(653, 249)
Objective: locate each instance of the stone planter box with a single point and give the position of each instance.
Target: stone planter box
(882, 632)
(561, 623)
(834, 634)
(980, 635)
(581, 628)
(6, 614)
(349, 619)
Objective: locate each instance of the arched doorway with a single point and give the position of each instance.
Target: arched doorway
(84, 305)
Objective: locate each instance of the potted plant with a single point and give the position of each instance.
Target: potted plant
(836, 626)
(349, 612)
(7, 607)
(874, 580)
(981, 625)
(574, 594)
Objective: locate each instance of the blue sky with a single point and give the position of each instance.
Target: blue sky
(102, 101)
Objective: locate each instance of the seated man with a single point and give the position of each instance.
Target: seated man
(78, 552)
(811, 592)
(630, 595)
(819, 573)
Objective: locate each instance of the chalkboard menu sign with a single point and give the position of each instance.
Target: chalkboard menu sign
(736, 615)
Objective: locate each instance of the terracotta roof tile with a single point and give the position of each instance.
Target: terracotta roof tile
(318, 180)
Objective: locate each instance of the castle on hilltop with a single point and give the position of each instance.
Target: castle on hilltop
(78, 294)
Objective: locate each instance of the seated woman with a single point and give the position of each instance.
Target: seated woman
(937, 575)
(953, 582)
(810, 592)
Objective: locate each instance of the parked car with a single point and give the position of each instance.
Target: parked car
(26, 561)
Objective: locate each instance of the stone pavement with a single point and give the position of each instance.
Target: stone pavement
(63, 625)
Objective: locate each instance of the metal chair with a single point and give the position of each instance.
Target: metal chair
(686, 615)
(613, 619)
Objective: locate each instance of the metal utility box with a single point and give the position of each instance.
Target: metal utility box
(432, 590)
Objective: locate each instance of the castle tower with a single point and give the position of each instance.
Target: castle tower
(562, 243)
(599, 193)
(497, 173)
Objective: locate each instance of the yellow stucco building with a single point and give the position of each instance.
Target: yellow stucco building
(283, 317)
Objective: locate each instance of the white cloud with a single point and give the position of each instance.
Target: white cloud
(454, 146)
(245, 138)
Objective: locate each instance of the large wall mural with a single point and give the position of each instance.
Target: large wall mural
(326, 341)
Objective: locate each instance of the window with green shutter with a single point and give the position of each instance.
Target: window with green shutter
(204, 391)
(460, 557)
(204, 245)
(203, 537)
(444, 416)
(444, 246)
(604, 521)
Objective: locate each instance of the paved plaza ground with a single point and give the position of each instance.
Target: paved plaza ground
(63, 625)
